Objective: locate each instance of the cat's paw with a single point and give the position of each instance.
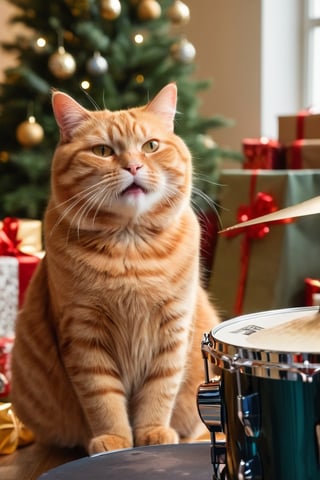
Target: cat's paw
(155, 435)
(106, 443)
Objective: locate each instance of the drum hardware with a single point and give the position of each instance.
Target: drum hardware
(266, 396)
(249, 414)
(249, 470)
(318, 440)
(210, 411)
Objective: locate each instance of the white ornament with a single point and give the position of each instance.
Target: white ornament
(184, 51)
(97, 65)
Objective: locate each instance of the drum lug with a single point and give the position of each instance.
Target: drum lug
(210, 411)
(250, 470)
(209, 405)
(249, 414)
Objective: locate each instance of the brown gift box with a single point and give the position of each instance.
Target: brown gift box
(279, 262)
(303, 154)
(294, 127)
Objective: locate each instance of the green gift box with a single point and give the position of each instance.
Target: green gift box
(262, 268)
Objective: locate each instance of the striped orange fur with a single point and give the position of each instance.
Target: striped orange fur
(107, 352)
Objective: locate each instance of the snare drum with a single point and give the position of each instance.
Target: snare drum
(267, 400)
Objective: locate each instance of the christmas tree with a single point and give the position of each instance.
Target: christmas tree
(112, 53)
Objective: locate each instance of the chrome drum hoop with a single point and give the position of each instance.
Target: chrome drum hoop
(294, 366)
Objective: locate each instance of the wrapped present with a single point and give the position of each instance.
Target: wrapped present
(13, 433)
(303, 154)
(304, 124)
(264, 267)
(312, 291)
(16, 269)
(6, 345)
(262, 153)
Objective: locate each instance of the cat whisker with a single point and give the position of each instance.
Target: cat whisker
(211, 203)
(74, 201)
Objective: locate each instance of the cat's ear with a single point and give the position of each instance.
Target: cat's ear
(68, 114)
(164, 104)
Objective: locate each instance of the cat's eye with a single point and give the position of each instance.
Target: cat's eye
(102, 150)
(150, 146)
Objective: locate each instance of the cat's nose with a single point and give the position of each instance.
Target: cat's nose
(133, 168)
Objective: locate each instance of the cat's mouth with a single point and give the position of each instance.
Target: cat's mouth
(134, 189)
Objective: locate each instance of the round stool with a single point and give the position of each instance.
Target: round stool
(158, 462)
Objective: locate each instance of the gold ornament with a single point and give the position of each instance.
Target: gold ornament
(149, 10)
(179, 13)
(4, 156)
(207, 141)
(78, 7)
(62, 64)
(110, 9)
(29, 133)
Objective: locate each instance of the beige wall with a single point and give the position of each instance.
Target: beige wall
(226, 34)
(6, 31)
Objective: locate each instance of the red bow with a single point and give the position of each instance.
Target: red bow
(8, 237)
(261, 205)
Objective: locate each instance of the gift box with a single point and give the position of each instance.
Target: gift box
(263, 267)
(13, 433)
(262, 153)
(312, 291)
(6, 345)
(303, 154)
(303, 125)
(16, 269)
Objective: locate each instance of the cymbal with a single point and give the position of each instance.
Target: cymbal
(308, 207)
(302, 334)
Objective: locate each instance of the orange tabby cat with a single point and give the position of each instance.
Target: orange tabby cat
(107, 352)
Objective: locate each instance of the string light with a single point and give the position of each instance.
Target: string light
(139, 38)
(139, 78)
(85, 85)
(41, 42)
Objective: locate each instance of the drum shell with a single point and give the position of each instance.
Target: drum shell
(287, 446)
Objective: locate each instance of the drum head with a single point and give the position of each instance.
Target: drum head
(295, 330)
(160, 462)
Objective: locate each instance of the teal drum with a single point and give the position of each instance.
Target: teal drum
(263, 410)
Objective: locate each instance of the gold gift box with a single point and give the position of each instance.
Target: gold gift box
(13, 433)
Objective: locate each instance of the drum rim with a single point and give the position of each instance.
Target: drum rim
(257, 361)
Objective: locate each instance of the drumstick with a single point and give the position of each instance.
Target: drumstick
(309, 207)
(299, 335)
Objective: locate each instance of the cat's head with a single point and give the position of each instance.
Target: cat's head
(126, 163)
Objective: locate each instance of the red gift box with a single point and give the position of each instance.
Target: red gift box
(16, 269)
(312, 290)
(262, 153)
(9, 247)
(6, 345)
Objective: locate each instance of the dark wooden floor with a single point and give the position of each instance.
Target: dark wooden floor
(28, 463)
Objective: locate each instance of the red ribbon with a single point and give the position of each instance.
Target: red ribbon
(260, 204)
(300, 123)
(9, 237)
(296, 159)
